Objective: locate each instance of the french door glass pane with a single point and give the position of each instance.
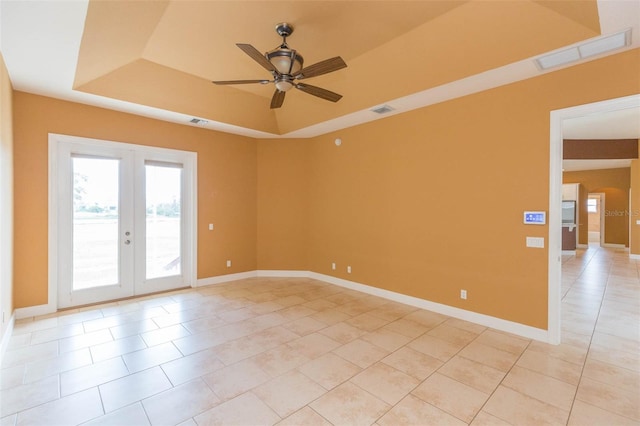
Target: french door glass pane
(163, 219)
(95, 222)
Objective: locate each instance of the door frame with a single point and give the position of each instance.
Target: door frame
(191, 203)
(601, 199)
(64, 172)
(556, 118)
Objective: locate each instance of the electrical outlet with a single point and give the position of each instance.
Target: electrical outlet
(211, 227)
(463, 294)
(348, 269)
(333, 266)
(228, 264)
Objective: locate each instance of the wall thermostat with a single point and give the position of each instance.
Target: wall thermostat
(535, 218)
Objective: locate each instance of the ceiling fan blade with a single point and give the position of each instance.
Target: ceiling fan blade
(256, 56)
(319, 92)
(322, 67)
(277, 99)
(242, 82)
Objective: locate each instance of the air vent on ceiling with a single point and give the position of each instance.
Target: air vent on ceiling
(383, 109)
(584, 50)
(198, 121)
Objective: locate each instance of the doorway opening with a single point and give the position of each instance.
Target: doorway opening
(595, 211)
(555, 199)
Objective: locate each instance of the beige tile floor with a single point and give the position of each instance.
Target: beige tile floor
(302, 352)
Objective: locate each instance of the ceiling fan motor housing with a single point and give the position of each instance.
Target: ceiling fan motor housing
(284, 29)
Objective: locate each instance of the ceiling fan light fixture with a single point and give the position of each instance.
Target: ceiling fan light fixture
(283, 85)
(285, 60)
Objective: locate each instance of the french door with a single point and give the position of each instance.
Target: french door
(125, 220)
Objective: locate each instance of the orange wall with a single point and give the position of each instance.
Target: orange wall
(227, 189)
(6, 198)
(430, 202)
(424, 203)
(614, 183)
(283, 204)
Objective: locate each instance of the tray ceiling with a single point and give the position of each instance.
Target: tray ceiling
(157, 58)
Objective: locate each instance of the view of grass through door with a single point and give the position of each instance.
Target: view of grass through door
(163, 210)
(124, 222)
(95, 222)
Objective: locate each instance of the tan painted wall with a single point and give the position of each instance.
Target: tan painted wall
(614, 183)
(369, 203)
(283, 204)
(226, 184)
(430, 202)
(6, 197)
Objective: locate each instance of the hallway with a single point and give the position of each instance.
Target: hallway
(601, 312)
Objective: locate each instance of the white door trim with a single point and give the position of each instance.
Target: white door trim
(190, 183)
(555, 198)
(602, 201)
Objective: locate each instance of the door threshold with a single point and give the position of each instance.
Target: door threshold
(137, 296)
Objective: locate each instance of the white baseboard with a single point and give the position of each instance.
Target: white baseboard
(482, 319)
(568, 252)
(283, 274)
(34, 311)
(610, 245)
(634, 256)
(486, 320)
(225, 278)
(583, 246)
(6, 336)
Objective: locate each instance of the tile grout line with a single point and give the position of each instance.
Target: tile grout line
(391, 352)
(610, 266)
(593, 331)
(434, 371)
(380, 360)
(499, 384)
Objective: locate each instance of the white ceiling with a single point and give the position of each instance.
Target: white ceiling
(578, 165)
(621, 124)
(40, 41)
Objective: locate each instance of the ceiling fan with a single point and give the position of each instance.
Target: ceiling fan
(285, 65)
